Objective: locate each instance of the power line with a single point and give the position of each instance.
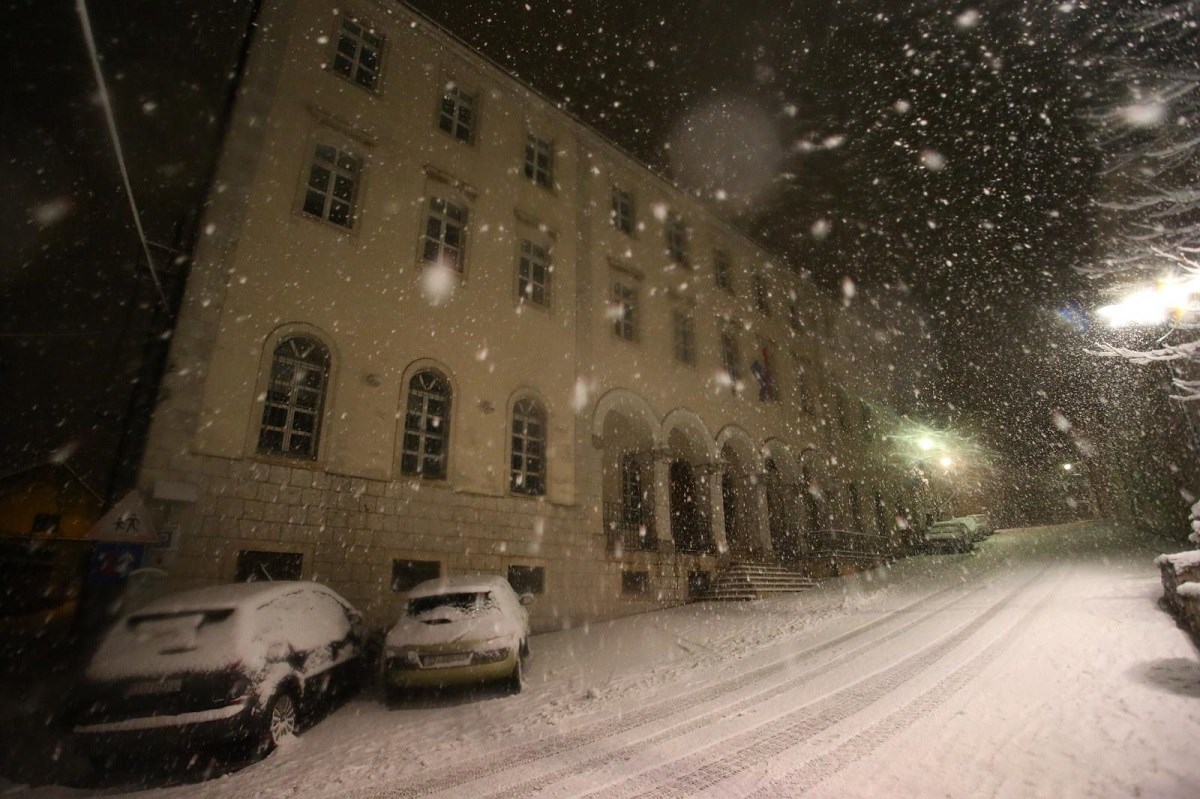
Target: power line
(86, 23)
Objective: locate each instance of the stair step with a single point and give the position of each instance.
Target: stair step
(742, 581)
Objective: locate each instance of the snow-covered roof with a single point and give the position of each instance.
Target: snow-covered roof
(1180, 560)
(217, 597)
(462, 584)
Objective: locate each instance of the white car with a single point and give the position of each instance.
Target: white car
(458, 631)
(216, 665)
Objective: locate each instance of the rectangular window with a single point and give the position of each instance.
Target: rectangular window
(762, 295)
(699, 584)
(527, 579)
(685, 337)
(359, 52)
(333, 178)
(624, 310)
(539, 160)
(635, 583)
(730, 357)
(623, 217)
(444, 240)
(407, 574)
(723, 270)
(534, 274)
(253, 566)
(456, 115)
(527, 469)
(677, 239)
(763, 370)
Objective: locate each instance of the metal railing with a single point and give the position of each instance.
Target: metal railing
(630, 527)
(848, 544)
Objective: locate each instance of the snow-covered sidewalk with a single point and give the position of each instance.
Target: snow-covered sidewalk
(1039, 666)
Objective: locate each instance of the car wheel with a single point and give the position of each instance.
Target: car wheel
(516, 680)
(279, 721)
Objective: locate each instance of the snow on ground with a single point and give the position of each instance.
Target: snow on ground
(1038, 666)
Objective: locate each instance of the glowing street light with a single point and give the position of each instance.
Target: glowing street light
(946, 461)
(925, 444)
(1068, 467)
(1169, 298)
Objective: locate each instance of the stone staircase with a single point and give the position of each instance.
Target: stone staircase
(746, 580)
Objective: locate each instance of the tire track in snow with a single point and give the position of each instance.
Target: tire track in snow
(521, 755)
(540, 782)
(697, 771)
(813, 772)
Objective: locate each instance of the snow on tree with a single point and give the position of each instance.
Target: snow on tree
(1146, 125)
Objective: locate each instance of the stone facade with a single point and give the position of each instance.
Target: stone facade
(658, 466)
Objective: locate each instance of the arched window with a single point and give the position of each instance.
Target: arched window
(295, 400)
(426, 425)
(527, 472)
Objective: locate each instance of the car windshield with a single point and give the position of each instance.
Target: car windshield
(597, 398)
(466, 601)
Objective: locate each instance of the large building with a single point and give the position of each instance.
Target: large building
(436, 325)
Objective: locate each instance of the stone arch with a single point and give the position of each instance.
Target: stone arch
(690, 453)
(630, 404)
(781, 479)
(734, 437)
(690, 425)
(786, 463)
(740, 491)
(628, 433)
(813, 477)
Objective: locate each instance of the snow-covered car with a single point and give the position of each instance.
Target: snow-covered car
(951, 536)
(217, 665)
(977, 528)
(458, 631)
(985, 522)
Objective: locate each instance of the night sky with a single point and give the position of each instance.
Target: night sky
(925, 145)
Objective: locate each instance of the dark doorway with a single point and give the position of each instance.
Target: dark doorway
(688, 522)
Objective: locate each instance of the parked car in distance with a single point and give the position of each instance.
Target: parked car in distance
(214, 666)
(949, 536)
(458, 631)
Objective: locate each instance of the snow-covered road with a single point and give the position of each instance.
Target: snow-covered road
(1039, 666)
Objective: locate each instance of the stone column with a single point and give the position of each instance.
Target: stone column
(793, 502)
(763, 516)
(660, 461)
(716, 515)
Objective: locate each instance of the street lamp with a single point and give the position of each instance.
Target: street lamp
(946, 461)
(1169, 298)
(925, 444)
(1068, 467)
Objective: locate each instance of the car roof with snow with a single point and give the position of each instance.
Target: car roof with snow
(228, 596)
(463, 584)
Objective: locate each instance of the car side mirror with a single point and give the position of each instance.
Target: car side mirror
(526, 599)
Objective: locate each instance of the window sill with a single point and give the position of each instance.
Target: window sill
(348, 232)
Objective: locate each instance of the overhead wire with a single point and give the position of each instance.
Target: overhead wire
(114, 134)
